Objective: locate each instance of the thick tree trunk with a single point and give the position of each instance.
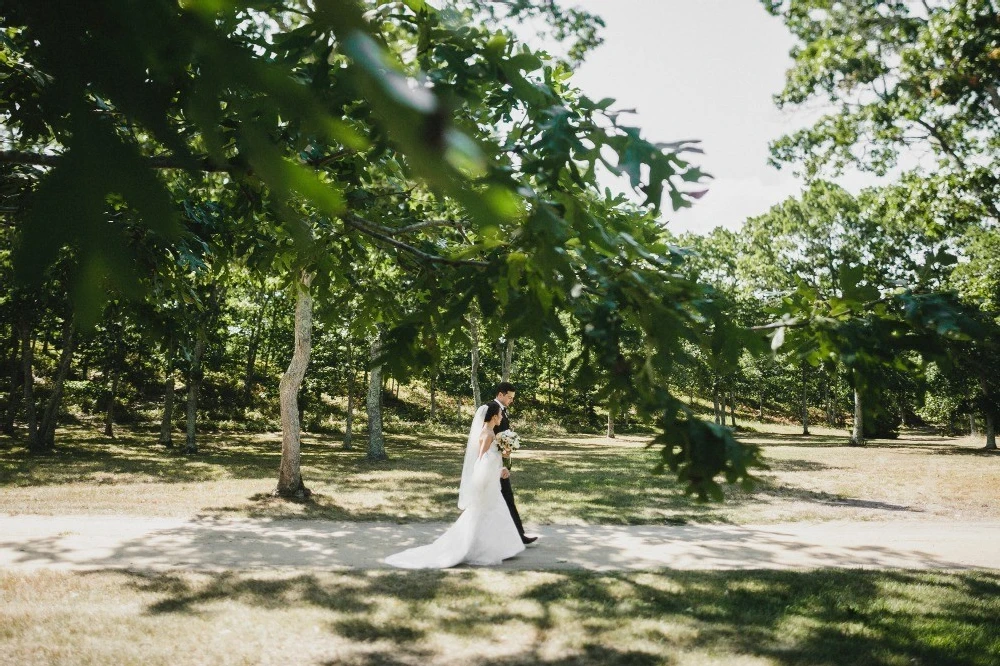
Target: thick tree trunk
(474, 375)
(508, 359)
(27, 371)
(47, 432)
(376, 441)
(289, 471)
(166, 421)
(194, 385)
(858, 432)
(805, 401)
(991, 431)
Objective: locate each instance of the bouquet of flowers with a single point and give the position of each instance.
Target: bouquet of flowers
(508, 441)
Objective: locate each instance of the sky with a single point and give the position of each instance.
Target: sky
(704, 69)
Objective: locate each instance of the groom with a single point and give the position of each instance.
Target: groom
(505, 396)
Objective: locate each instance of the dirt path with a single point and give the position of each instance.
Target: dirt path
(132, 542)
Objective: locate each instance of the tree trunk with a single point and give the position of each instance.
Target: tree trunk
(27, 360)
(991, 431)
(732, 408)
(253, 347)
(858, 432)
(47, 432)
(376, 441)
(474, 376)
(349, 426)
(166, 422)
(760, 403)
(611, 422)
(508, 359)
(109, 416)
(715, 401)
(194, 384)
(15, 374)
(805, 401)
(289, 471)
(972, 425)
(459, 409)
(433, 396)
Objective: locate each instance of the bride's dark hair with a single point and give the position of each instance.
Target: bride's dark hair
(492, 409)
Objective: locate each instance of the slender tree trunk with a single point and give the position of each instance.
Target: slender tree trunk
(47, 432)
(289, 471)
(15, 373)
(805, 401)
(972, 424)
(760, 403)
(166, 421)
(376, 441)
(459, 409)
(474, 375)
(991, 431)
(732, 407)
(433, 396)
(508, 359)
(611, 422)
(349, 427)
(715, 401)
(109, 416)
(253, 347)
(194, 385)
(858, 432)
(27, 361)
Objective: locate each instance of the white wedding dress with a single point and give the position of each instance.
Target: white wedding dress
(485, 533)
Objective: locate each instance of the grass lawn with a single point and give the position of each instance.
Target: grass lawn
(562, 480)
(494, 617)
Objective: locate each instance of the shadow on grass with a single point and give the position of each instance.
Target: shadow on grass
(787, 617)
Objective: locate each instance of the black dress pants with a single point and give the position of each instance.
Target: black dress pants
(508, 496)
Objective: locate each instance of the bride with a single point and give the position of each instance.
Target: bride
(485, 533)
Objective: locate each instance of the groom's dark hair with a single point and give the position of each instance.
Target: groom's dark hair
(505, 388)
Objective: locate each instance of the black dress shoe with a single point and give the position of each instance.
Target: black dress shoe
(527, 539)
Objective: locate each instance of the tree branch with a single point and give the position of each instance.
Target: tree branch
(201, 162)
(375, 231)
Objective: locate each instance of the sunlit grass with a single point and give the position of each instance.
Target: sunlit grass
(569, 479)
(491, 617)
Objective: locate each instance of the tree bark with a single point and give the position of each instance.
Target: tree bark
(47, 432)
(27, 361)
(508, 359)
(715, 401)
(972, 424)
(253, 347)
(433, 396)
(474, 375)
(194, 385)
(611, 422)
(732, 408)
(166, 422)
(289, 471)
(349, 424)
(109, 416)
(991, 432)
(858, 432)
(376, 441)
(805, 401)
(15, 374)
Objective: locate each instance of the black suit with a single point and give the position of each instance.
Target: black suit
(505, 489)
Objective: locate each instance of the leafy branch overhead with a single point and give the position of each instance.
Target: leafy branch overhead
(347, 140)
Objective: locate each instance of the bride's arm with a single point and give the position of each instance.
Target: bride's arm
(484, 443)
